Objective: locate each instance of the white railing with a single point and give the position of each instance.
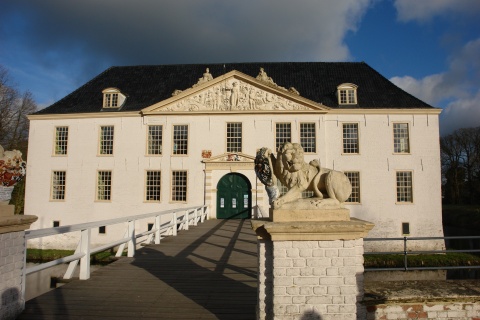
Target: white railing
(177, 219)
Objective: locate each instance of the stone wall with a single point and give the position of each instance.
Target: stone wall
(432, 299)
(12, 251)
(438, 310)
(323, 277)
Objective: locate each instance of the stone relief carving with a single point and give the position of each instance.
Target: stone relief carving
(264, 78)
(234, 95)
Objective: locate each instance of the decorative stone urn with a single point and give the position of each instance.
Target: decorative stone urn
(12, 171)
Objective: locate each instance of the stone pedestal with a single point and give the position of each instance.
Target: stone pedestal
(12, 261)
(310, 269)
(6, 210)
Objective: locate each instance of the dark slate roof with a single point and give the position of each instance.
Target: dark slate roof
(317, 81)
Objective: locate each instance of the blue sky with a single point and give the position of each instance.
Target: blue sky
(430, 48)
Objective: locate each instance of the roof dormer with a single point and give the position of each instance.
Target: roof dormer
(347, 94)
(112, 98)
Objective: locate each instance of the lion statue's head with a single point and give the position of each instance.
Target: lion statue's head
(293, 168)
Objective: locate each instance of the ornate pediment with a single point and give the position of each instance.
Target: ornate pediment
(227, 157)
(229, 161)
(234, 92)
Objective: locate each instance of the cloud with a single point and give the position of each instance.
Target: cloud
(425, 10)
(192, 31)
(462, 111)
(456, 89)
(79, 39)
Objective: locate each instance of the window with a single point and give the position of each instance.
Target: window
(234, 137)
(347, 93)
(154, 139)
(354, 177)
(350, 138)
(102, 229)
(56, 223)
(104, 186)
(113, 98)
(283, 133)
(405, 228)
(308, 137)
(401, 142)
(106, 140)
(152, 186)
(179, 186)
(180, 139)
(404, 187)
(58, 185)
(150, 226)
(61, 140)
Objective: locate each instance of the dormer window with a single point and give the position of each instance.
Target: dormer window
(347, 93)
(113, 98)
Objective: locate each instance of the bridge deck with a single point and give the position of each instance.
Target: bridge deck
(208, 272)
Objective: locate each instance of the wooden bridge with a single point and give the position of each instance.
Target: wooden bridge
(208, 272)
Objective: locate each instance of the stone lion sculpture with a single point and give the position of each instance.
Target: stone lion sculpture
(290, 168)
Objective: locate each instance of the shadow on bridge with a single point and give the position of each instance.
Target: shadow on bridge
(208, 272)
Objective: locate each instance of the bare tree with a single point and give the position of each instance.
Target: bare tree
(14, 108)
(460, 153)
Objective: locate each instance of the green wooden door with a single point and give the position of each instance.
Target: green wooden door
(234, 197)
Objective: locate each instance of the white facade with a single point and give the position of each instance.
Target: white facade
(206, 159)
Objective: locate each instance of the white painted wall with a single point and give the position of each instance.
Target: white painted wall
(376, 162)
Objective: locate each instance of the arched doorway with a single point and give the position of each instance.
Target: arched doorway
(234, 197)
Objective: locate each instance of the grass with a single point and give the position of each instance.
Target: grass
(421, 260)
(42, 256)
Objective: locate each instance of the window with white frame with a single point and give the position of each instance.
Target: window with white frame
(106, 140)
(113, 98)
(308, 137)
(350, 138)
(154, 143)
(283, 134)
(179, 186)
(152, 185)
(401, 141)
(234, 137)
(404, 187)
(61, 140)
(180, 139)
(104, 185)
(347, 94)
(58, 185)
(354, 177)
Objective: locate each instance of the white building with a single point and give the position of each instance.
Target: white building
(130, 142)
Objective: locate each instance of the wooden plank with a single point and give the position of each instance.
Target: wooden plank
(207, 272)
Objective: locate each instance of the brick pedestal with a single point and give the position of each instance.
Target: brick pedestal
(310, 270)
(12, 261)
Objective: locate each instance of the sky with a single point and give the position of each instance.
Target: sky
(429, 48)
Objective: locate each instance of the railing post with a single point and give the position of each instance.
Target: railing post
(204, 212)
(72, 265)
(157, 233)
(131, 242)
(174, 224)
(185, 220)
(85, 249)
(195, 216)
